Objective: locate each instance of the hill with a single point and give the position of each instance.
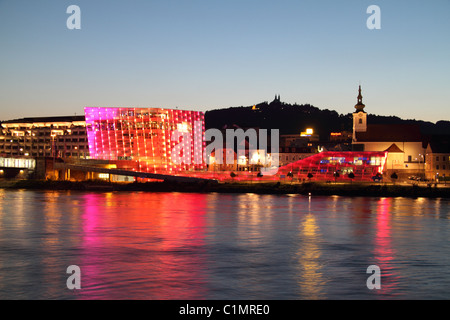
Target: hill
(293, 118)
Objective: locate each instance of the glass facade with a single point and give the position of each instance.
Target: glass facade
(145, 136)
(324, 165)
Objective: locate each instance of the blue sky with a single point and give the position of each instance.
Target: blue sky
(204, 55)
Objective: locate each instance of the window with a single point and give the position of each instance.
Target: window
(437, 167)
(409, 158)
(443, 167)
(437, 158)
(360, 121)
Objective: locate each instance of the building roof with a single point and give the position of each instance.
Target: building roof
(439, 147)
(394, 149)
(390, 132)
(47, 119)
(359, 105)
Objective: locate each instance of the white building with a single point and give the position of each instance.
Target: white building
(403, 142)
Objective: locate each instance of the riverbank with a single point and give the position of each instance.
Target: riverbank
(313, 188)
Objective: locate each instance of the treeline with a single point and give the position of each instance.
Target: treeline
(293, 118)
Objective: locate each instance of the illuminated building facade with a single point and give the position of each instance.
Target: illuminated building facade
(404, 142)
(437, 165)
(59, 137)
(324, 165)
(144, 136)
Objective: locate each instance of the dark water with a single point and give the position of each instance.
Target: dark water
(217, 246)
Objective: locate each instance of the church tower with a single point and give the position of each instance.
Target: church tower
(359, 117)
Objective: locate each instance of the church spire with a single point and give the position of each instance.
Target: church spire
(359, 105)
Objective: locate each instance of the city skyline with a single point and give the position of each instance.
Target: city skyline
(203, 56)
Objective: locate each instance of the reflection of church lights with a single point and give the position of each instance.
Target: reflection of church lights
(311, 278)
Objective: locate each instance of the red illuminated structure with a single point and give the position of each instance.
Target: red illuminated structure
(330, 165)
(140, 138)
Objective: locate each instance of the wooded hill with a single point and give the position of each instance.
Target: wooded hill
(294, 118)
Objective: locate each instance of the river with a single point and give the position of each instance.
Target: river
(164, 246)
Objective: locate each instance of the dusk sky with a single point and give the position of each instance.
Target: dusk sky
(210, 54)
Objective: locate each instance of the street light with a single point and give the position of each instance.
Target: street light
(422, 156)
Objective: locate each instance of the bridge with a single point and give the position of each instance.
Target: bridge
(16, 167)
(145, 175)
(18, 163)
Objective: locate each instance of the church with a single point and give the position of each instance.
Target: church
(403, 142)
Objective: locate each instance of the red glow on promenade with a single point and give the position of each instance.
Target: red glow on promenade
(325, 165)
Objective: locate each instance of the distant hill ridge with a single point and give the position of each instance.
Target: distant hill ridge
(293, 118)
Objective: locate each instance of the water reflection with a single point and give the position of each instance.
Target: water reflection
(220, 246)
(311, 280)
(383, 252)
(155, 248)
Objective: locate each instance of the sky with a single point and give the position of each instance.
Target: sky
(211, 54)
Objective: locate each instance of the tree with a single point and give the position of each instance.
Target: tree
(310, 175)
(336, 175)
(394, 177)
(290, 174)
(351, 176)
(232, 175)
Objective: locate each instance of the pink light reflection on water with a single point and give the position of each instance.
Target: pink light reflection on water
(384, 253)
(154, 251)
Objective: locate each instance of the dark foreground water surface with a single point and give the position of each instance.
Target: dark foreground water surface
(137, 245)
